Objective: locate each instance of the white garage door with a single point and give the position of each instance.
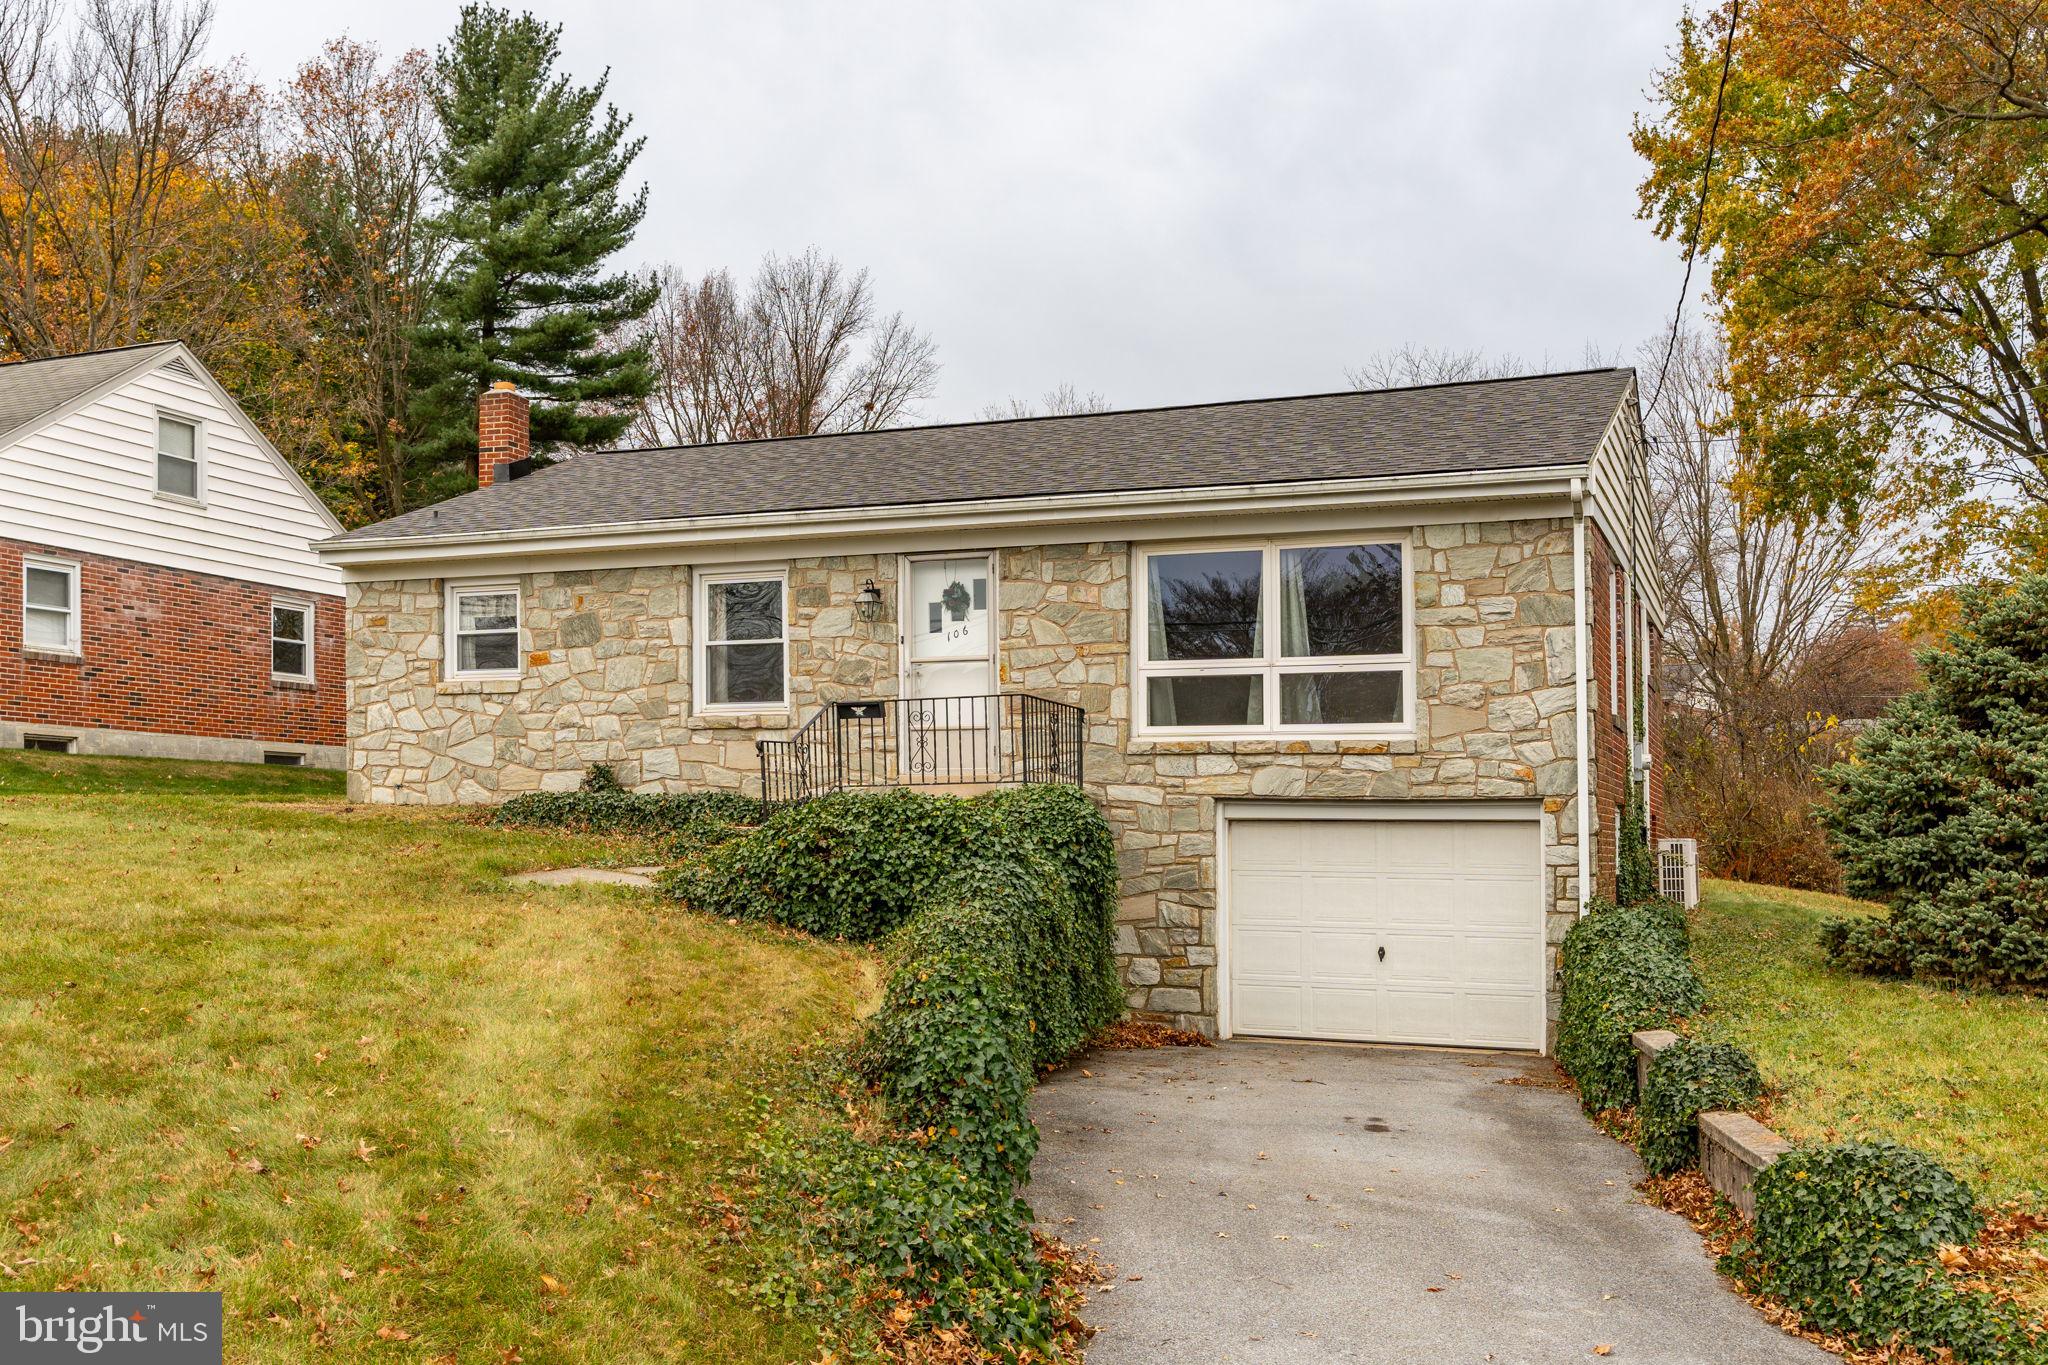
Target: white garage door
(1387, 930)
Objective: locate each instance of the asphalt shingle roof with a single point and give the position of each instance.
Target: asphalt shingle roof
(30, 388)
(1553, 419)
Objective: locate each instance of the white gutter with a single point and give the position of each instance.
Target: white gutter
(1582, 659)
(979, 514)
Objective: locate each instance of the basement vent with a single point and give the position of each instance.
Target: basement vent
(283, 760)
(49, 744)
(178, 367)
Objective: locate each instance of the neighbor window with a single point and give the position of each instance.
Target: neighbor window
(742, 642)
(177, 457)
(1271, 637)
(483, 630)
(291, 640)
(49, 605)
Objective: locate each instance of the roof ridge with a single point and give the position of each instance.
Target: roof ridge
(1110, 412)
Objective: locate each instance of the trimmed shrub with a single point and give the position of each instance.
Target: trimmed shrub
(1076, 954)
(1938, 811)
(1684, 1079)
(1850, 1235)
(848, 866)
(952, 1045)
(999, 918)
(1622, 968)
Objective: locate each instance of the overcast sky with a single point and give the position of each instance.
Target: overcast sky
(1165, 203)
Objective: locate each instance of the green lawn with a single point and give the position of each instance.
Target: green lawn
(1961, 1075)
(327, 1061)
(24, 774)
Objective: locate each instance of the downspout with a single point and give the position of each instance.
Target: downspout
(1581, 661)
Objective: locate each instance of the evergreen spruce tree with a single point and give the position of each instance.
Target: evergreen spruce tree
(531, 178)
(1942, 810)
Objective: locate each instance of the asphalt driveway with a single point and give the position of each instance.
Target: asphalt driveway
(1289, 1202)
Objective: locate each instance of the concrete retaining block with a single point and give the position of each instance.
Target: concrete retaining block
(1733, 1147)
(1649, 1042)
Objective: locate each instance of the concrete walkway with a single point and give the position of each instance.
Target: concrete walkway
(1288, 1202)
(587, 876)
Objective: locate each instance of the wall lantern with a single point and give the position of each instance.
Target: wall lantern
(867, 603)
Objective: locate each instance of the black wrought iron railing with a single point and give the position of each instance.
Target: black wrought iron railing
(1009, 738)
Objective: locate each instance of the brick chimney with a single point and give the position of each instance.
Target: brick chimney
(502, 434)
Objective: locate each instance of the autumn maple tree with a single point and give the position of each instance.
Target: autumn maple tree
(1877, 217)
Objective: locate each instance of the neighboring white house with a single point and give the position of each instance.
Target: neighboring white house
(158, 590)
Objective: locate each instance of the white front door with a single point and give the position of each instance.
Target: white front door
(949, 627)
(952, 726)
(1390, 930)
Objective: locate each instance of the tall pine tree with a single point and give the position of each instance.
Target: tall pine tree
(532, 176)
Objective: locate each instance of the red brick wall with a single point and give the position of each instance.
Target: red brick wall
(169, 651)
(1610, 726)
(1653, 725)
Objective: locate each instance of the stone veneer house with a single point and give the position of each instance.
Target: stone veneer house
(1329, 664)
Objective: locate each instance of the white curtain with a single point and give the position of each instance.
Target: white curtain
(1307, 708)
(1163, 712)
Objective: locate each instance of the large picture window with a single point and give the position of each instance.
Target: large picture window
(483, 630)
(742, 647)
(1276, 638)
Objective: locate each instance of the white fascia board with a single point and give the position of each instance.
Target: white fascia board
(1618, 497)
(938, 519)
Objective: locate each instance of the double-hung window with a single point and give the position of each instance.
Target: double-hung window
(483, 630)
(1276, 638)
(177, 457)
(49, 605)
(742, 641)
(291, 640)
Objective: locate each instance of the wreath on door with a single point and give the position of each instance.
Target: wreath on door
(955, 598)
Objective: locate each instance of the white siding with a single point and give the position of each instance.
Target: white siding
(87, 482)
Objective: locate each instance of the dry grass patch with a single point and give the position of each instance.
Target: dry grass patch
(330, 1063)
(1961, 1075)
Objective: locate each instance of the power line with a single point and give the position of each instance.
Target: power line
(1692, 241)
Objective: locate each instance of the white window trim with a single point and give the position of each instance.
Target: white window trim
(297, 604)
(1271, 666)
(73, 639)
(700, 638)
(450, 651)
(198, 425)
